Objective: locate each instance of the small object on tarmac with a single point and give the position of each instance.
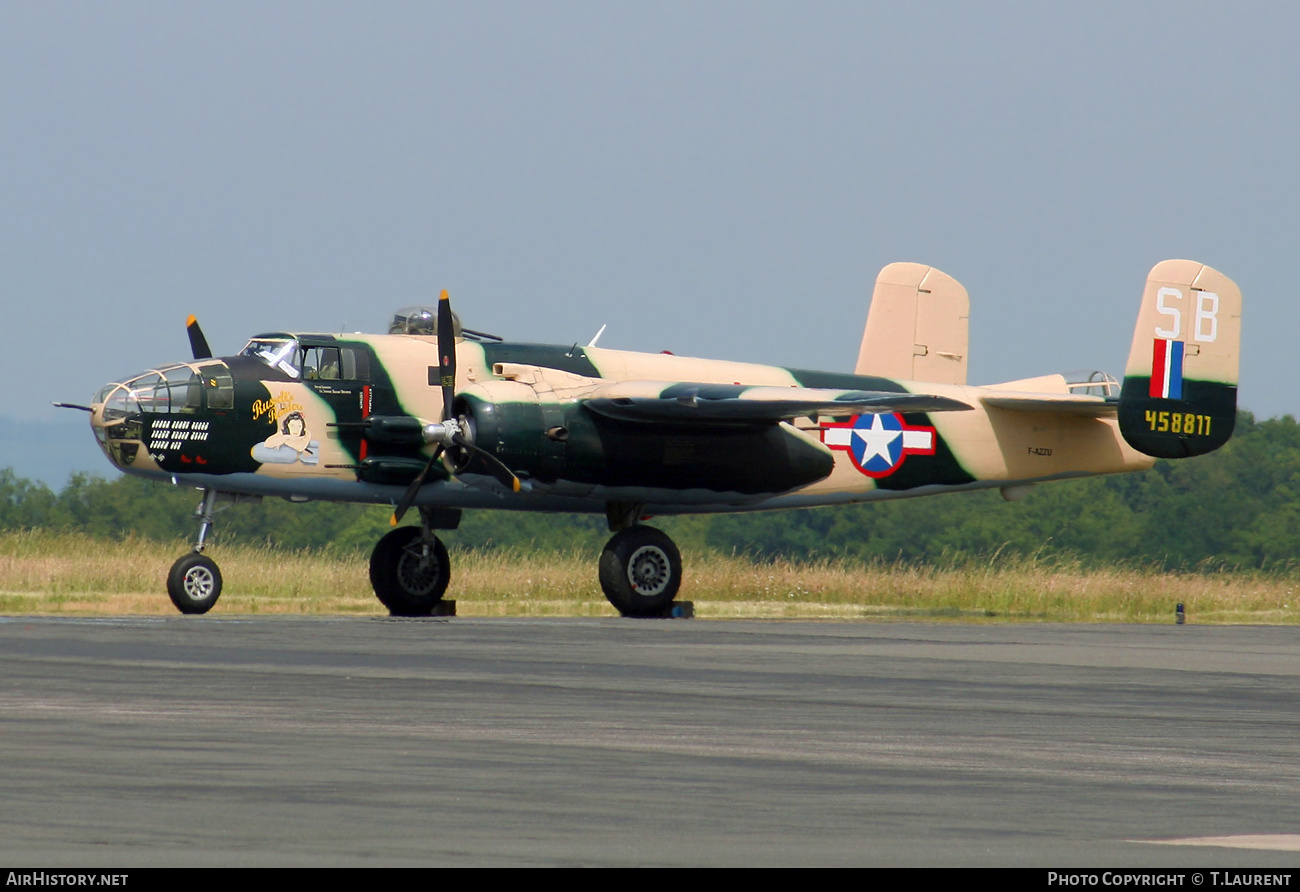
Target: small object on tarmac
(441, 608)
(679, 610)
(671, 610)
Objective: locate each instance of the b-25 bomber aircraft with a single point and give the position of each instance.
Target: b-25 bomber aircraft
(442, 419)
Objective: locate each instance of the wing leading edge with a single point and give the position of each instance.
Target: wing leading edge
(738, 404)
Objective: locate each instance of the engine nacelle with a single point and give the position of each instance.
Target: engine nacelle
(508, 419)
(551, 440)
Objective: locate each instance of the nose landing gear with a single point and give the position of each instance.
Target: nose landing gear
(194, 583)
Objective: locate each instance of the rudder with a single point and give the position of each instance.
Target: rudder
(1179, 397)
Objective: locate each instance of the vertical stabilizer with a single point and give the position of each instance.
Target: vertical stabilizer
(1180, 386)
(917, 327)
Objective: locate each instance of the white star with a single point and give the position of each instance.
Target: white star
(877, 440)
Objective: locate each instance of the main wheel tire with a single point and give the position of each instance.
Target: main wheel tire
(640, 571)
(409, 573)
(194, 583)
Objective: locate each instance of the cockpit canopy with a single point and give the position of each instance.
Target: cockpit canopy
(180, 388)
(283, 353)
(1090, 382)
(307, 358)
(420, 321)
(414, 320)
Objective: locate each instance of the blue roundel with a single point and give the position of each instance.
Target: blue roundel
(877, 442)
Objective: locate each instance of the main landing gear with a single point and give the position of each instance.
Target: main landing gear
(409, 568)
(640, 568)
(410, 571)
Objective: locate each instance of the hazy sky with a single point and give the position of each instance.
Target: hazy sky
(717, 179)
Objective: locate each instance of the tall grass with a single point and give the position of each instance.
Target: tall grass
(65, 573)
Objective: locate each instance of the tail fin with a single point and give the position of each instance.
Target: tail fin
(1180, 386)
(916, 327)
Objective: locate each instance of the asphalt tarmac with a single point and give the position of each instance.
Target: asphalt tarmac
(250, 741)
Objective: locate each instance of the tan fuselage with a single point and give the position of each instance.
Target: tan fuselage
(304, 454)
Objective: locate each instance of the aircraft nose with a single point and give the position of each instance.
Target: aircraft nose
(128, 413)
(116, 428)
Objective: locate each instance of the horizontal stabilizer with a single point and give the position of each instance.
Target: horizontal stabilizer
(1059, 404)
(739, 404)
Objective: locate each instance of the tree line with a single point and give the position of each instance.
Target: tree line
(1238, 507)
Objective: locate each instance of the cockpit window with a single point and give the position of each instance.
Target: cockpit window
(329, 363)
(118, 404)
(220, 386)
(322, 363)
(184, 389)
(172, 389)
(279, 353)
(145, 393)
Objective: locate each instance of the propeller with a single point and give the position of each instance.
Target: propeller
(450, 430)
(198, 343)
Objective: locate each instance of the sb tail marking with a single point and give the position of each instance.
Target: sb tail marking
(1180, 386)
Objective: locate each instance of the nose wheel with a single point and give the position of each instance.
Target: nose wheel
(194, 583)
(640, 571)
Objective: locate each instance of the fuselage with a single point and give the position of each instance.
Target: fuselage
(288, 418)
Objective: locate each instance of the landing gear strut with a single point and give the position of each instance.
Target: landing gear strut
(640, 568)
(409, 568)
(194, 583)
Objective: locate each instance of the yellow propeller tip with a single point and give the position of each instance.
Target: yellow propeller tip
(514, 484)
(190, 320)
(444, 296)
(392, 521)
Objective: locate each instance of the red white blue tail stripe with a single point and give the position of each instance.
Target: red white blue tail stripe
(1167, 370)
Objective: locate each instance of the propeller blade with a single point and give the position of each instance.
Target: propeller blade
(446, 354)
(408, 497)
(450, 432)
(198, 343)
(504, 475)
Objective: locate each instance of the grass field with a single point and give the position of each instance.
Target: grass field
(64, 574)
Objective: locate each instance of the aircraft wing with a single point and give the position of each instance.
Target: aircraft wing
(681, 403)
(1055, 403)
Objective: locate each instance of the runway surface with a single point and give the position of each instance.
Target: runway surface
(249, 741)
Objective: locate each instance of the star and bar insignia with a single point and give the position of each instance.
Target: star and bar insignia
(878, 444)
